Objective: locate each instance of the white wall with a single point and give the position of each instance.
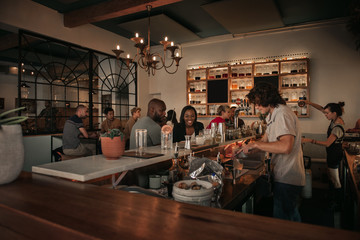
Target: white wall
(334, 67)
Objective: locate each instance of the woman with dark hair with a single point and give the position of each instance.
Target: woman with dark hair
(188, 124)
(333, 144)
(171, 117)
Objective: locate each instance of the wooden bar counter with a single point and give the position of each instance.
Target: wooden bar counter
(41, 207)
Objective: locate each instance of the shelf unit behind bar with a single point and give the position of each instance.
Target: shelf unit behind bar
(207, 88)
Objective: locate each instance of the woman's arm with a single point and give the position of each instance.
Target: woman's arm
(326, 143)
(316, 106)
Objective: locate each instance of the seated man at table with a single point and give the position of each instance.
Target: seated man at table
(155, 116)
(110, 121)
(73, 130)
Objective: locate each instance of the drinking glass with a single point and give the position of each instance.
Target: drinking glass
(141, 140)
(166, 140)
(187, 141)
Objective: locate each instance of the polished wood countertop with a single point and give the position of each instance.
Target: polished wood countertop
(41, 207)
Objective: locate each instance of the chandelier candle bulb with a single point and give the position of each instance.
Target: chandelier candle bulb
(128, 56)
(146, 60)
(117, 47)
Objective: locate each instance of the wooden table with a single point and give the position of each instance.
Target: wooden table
(42, 207)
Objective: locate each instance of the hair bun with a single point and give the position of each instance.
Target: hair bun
(341, 104)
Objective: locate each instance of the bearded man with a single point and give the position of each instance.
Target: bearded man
(155, 116)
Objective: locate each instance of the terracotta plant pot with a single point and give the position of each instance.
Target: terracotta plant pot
(114, 148)
(11, 152)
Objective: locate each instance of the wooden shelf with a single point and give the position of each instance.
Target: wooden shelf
(279, 66)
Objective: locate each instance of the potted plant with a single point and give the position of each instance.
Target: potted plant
(113, 144)
(11, 146)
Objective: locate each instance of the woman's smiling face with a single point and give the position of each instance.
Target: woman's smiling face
(189, 117)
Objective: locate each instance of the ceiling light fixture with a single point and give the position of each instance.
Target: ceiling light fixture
(152, 61)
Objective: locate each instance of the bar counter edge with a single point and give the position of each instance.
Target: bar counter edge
(38, 206)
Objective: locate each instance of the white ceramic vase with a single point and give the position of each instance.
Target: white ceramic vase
(11, 152)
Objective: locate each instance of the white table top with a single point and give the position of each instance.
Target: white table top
(92, 167)
(96, 166)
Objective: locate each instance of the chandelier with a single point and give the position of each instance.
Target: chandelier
(149, 61)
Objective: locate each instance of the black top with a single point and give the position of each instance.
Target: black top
(180, 131)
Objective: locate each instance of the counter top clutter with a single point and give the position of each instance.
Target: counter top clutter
(37, 207)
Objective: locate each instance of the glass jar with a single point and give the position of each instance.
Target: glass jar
(285, 95)
(248, 84)
(234, 84)
(294, 95)
(248, 71)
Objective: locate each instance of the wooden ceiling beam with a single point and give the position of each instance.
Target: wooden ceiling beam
(110, 9)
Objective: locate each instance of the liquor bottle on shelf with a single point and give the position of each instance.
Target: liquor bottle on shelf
(248, 84)
(211, 74)
(234, 72)
(234, 84)
(266, 69)
(218, 73)
(225, 73)
(302, 95)
(302, 67)
(203, 86)
(303, 110)
(285, 67)
(242, 83)
(274, 69)
(192, 87)
(303, 80)
(294, 67)
(248, 71)
(285, 95)
(294, 95)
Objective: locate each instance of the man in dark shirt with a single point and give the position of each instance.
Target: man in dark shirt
(73, 129)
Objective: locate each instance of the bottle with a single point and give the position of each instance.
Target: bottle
(303, 110)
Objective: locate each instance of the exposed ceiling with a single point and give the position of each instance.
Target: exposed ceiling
(185, 20)
(189, 20)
